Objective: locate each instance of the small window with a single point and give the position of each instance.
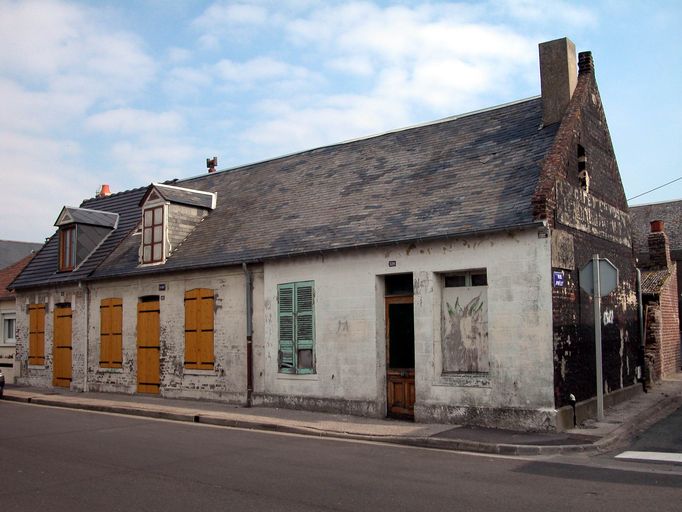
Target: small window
(36, 334)
(67, 248)
(152, 235)
(111, 333)
(470, 278)
(8, 330)
(296, 313)
(199, 317)
(583, 175)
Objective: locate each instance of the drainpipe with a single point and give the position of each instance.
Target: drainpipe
(642, 341)
(248, 280)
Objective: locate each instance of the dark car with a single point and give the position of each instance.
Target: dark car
(2, 383)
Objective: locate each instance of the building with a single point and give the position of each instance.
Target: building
(670, 213)
(430, 272)
(11, 251)
(8, 318)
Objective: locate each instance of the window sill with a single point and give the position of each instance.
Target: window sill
(37, 366)
(109, 370)
(205, 373)
(464, 380)
(298, 376)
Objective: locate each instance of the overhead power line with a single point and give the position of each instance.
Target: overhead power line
(661, 186)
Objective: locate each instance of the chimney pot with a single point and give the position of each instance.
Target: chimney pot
(585, 63)
(558, 78)
(659, 246)
(211, 164)
(657, 226)
(104, 191)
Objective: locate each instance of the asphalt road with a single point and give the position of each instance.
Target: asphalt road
(55, 459)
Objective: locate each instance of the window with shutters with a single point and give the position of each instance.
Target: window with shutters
(199, 329)
(296, 314)
(111, 333)
(36, 334)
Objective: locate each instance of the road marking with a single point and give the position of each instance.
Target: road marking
(657, 456)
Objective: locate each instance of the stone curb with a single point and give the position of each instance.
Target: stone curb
(625, 431)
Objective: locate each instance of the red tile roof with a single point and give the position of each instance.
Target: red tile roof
(8, 274)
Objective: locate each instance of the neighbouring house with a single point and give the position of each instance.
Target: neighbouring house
(429, 272)
(661, 308)
(8, 317)
(12, 251)
(669, 212)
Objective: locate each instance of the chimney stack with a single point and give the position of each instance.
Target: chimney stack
(211, 164)
(659, 247)
(558, 78)
(104, 191)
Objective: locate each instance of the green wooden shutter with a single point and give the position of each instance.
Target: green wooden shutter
(285, 313)
(305, 327)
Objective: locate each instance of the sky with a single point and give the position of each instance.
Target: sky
(133, 92)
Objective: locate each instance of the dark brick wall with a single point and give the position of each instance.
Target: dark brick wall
(574, 363)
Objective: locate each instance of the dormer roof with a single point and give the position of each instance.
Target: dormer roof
(74, 215)
(180, 195)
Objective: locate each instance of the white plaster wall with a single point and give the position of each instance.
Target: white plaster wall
(41, 375)
(7, 351)
(349, 311)
(227, 382)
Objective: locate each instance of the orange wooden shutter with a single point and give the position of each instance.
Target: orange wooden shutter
(36, 336)
(199, 353)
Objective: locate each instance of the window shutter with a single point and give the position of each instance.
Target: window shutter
(205, 356)
(36, 342)
(111, 333)
(105, 333)
(199, 324)
(305, 327)
(191, 327)
(285, 313)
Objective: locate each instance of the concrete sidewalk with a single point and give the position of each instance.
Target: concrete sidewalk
(620, 423)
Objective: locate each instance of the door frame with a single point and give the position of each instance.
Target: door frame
(405, 373)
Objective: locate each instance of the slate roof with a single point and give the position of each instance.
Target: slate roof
(184, 196)
(11, 252)
(459, 176)
(43, 269)
(653, 281)
(88, 216)
(669, 212)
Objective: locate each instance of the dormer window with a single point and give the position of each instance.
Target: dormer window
(152, 235)
(67, 248)
(81, 231)
(169, 214)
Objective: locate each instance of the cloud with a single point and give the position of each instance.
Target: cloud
(223, 20)
(260, 70)
(71, 51)
(133, 121)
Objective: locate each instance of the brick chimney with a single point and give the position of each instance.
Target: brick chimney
(659, 247)
(558, 78)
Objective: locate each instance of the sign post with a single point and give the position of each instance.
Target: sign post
(598, 278)
(597, 336)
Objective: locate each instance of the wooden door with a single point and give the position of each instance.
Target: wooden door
(61, 347)
(148, 347)
(400, 356)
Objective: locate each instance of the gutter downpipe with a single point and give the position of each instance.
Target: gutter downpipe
(642, 343)
(248, 280)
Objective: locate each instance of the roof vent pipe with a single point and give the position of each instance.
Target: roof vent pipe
(558, 78)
